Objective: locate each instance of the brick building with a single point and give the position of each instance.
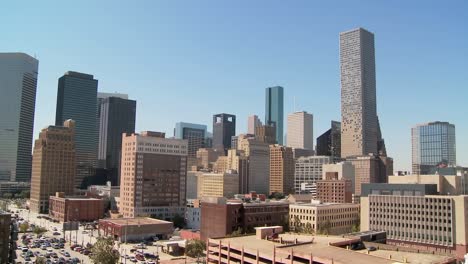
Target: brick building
(220, 217)
(67, 209)
(333, 190)
(128, 229)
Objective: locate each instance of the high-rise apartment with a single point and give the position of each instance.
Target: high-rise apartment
(54, 165)
(224, 127)
(253, 122)
(195, 135)
(116, 116)
(359, 124)
(77, 100)
(281, 170)
(274, 99)
(153, 175)
(18, 82)
(329, 143)
(308, 170)
(433, 144)
(300, 130)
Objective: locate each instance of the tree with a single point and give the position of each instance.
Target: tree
(23, 227)
(237, 232)
(178, 221)
(308, 229)
(25, 194)
(195, 248)
(324, 227)
(40, 260)
(39, 230)
(7, 195)
(103, 251)
(297, 224)
(276, 196)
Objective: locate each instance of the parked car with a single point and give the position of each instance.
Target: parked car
(371, 248)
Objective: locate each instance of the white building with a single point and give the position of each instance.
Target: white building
(18, 82)
(308, 170)
(300, 130)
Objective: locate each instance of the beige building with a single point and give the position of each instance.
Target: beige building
(206, 157)
(300, 131)
(446, 185)
(345, 170)
(153, 175)
(53, 165)
(218, 184)
(258, 154)
(432, 222)
(253, 123)
(281, 170)
(324, 218)
(236, 160)
(369, 169)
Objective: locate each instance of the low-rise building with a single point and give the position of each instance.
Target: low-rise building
(220, 217)
(334, 190)
(430, 222)
(192, 215)
(5, 223)
(135, 229)
(446, 184)
(324, 218)
(67, 209)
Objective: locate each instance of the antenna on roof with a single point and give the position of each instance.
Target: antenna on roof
(294, 103)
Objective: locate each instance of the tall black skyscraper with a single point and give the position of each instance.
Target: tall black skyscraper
(76, 99)
(116, 116)
(224, 127)
(329, 143)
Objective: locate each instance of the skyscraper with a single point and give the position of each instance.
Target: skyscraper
(266, 133)
(195, 134)
(253, 122)
(53, 165)
(18, 82)
(359, 124)
(153, 175)
(224, 127)
(77, 100)
(329, 143)
(433, 144)
(300, 130)
(281, 170)
(274, 110)
(258, 154)
(116, 116)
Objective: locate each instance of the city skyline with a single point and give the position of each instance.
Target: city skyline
(324, 84)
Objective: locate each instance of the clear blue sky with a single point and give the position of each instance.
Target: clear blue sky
(187, 60)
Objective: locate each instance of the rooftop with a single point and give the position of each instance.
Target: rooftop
(135, 221)
(321, 249)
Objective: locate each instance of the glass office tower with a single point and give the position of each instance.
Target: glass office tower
(18, 82)
(433, 144)
(274, 99)
(77, 100)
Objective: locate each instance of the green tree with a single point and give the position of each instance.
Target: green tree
(178, 221)
(39, 230)
(308, 229)
(41, 260)
(25, 194)
(103, 251)
(7, 195)
(23, 227)
(194, 248)
(324, 227)
(237, 232)
(356, 227)
(276, 196)
(297, 224)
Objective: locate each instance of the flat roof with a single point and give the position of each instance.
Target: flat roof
(320, 248)
(135, 221)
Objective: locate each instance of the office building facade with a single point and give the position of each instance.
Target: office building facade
(433, 144)
(195, 134)
(253, 122)
(224, 184)
(258, 154)
(224, 127)
(281, 170)
(308, 170)
(329, 143)
(54, 165)
(266, 134)
(77, 100)
(358, 93)
(300, 130)
(116, 116)
(18, 83)
(153, 175)
(274, 110)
